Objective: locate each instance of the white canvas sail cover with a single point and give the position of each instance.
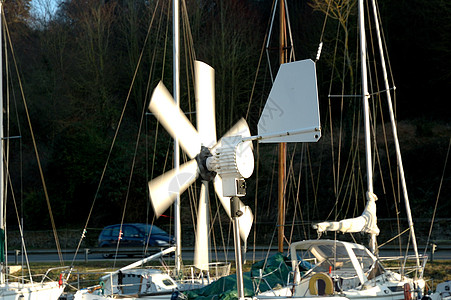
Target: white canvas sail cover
(367, 222)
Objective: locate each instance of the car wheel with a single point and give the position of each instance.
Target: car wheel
(106, 255)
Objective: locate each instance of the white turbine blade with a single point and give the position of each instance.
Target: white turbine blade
(205, 103)
(166, 187)
(245, 221)
(240, 128)
(201, 250)
(174, 121)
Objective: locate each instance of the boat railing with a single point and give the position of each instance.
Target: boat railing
(404, 265)
(37, 277)
(23, 278)
(190, 274)
(258, 278)
(215, 271)
(47, 274)
(88, 278)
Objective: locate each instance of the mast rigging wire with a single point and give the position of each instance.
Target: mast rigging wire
(41, 173)
(438, 196)
(114, 139)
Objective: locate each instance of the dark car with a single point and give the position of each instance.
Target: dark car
(134, 235)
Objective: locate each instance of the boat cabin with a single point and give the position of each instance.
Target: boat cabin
(325, 267)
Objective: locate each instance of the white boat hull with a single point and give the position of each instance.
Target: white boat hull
(137, 284)
(31, 291)
(86, 295)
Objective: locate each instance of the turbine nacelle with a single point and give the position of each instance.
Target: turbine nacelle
(233, 161)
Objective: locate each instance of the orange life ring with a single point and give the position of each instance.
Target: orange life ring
(321, 277)
(92, 290)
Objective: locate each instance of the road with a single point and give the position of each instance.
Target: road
(187, 254)
(97, 255)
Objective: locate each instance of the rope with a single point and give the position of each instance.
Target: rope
(41, 173)
(320, 45)
(143, 111)
(393, 238)
(438, 196)
(21, 166)
(165, 42)
(189, 41)
(20, 226)
(297, 202)
(293, 186)
(258, 68)
(270, 185)
(257, 169)
(114, 140)
(396, 193)
(386, 51)
(221, 226)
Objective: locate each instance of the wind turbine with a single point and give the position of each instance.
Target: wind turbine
(203, 149)
(291, 114)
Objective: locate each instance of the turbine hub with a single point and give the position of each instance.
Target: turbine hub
(201, 159)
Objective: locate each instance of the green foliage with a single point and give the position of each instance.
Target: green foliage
(76, 165)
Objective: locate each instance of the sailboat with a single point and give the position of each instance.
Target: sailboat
(11, 286)
(332, 268)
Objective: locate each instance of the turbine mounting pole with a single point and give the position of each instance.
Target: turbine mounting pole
(236, 213)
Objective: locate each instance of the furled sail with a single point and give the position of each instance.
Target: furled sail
(367, 222)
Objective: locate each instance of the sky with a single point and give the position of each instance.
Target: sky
(44, 8)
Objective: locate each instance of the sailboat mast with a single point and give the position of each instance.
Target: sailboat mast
(395, 133)
(366, 110)
(282, 146)
(176, 95)
(2, 191)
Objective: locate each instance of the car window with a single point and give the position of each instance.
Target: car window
(155, 230)
(131, 231)
(115, 232)
(106, 232)
(111, 232)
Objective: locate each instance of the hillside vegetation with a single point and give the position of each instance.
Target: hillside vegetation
(88, 71)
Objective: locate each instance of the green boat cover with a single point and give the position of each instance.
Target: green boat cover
(274, 274)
